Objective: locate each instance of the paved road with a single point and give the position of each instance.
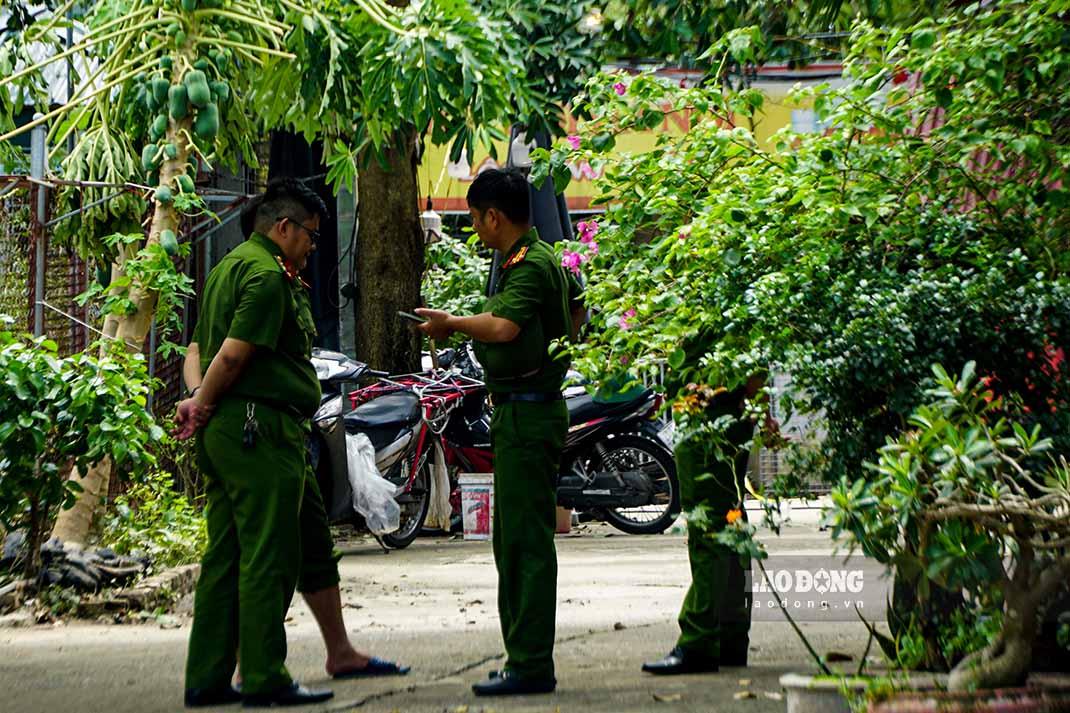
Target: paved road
(433, 606)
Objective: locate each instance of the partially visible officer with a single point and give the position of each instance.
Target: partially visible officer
(537, 302)
(254, 340)
(716, 614)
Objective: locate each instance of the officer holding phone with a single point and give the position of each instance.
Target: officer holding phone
(537, 302)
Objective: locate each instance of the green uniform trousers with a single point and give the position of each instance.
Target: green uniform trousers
(251, 565)
(715, 616)
(527, 438)
(319, 558)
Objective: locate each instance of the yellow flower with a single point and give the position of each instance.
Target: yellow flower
(733, 515)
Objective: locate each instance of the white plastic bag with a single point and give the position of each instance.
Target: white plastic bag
(373, 495)
(440, 510)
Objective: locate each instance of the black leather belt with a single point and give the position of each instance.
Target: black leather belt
(538, 397)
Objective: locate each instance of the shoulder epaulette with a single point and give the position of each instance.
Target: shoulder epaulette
(518, 257)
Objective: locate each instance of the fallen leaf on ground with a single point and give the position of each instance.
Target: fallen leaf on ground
(774, 695)
(742, 695)
(671, 698)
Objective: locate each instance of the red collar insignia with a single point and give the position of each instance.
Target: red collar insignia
(518, 257)
(291, 271)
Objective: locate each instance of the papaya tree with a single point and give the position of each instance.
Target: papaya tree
(173, 88)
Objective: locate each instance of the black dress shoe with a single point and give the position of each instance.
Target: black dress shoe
(680, 661)
(202, 697)
(506, 683)
(293, 695)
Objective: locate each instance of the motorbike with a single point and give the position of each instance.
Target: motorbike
(400, 421)
(615, 465)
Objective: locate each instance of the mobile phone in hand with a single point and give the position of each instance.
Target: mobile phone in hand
(411, 317)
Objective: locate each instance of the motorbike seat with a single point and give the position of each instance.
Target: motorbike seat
(583, 407)
(401, 409)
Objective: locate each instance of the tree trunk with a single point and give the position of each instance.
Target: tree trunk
(390, 260)
(73, 525)
(1006, 661)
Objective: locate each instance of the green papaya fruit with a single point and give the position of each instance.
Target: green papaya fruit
(189, 5)
(221, 91)
(158, 128)
(148, 157)
(139, 77)
(166, 63)
(185, 184)
(159, 89)
(234, 36)
(206, 125)
(149, 98)
(163, 194)
(202, 64)
(170, 150)
(169, 242)
(197, 88)
(180, 38)
(177, 100)
(173, 29)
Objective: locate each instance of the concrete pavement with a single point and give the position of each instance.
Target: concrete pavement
(433, 606)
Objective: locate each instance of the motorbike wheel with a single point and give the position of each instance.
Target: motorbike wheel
(635, 453)
(413, 511)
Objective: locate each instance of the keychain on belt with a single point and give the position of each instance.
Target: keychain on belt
(249, 432)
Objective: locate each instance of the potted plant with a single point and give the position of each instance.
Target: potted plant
(973, 501)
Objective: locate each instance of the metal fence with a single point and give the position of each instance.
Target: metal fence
(40, 280)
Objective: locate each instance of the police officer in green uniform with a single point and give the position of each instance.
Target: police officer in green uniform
(318, 578)
(254, 339)
(537, 302)
(716, 613)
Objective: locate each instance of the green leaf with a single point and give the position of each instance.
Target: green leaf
(922, 39)
(677, 358)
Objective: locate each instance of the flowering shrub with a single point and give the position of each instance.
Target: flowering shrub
(929, 225)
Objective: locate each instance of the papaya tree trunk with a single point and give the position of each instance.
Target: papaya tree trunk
(73, 525)
(390, 259)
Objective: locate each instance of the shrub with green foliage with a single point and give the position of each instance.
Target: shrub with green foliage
(928, 225)
(55, 411)
(970, 499)
(455, 275)
(155, 518)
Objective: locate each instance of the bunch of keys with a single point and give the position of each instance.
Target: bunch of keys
(248, 435)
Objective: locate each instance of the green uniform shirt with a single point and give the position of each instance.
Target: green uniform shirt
(249, 296)
(538, 294)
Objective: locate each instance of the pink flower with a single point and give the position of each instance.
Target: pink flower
(619, 88)
(623, 321)
(574, 142)
(587, 171)
(592, 248)
(572, 261)
(587, 230)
